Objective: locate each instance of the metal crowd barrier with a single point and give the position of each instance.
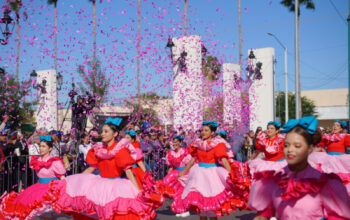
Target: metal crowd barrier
(16, 173)
(157, 166)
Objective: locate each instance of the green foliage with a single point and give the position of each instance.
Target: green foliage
(290, 4)
(140, 112)
(308, 106)
(12, 102)
(211, 68)
(50, 2)
(215, 110)
(95, 80)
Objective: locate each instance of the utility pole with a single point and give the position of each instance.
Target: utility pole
(239, 33)
(138, 51)
(286, 77)
(185, 18)
(298, 110)
(349, 62)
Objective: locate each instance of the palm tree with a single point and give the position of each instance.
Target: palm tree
(94, 43)
(185, 18)
(54, 2)
(239, 33)
(292, 5)
(138, 50)
(16, 5)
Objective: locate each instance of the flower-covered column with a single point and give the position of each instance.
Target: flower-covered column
(188, 86)
(232, 94)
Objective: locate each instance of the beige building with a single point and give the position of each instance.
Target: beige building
(331, 104)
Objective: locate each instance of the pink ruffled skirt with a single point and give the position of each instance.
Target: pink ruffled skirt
(172, 185)
(338, 164)
(94, 195)
(31, 202)
(206, 190)
(261, 165)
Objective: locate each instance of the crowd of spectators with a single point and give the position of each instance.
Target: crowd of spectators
(17, 148)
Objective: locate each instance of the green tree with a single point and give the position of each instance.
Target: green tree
(54, 2)
(211, 69)
(12, 95)
(145, 107)
(308, 106)
(215, 110)
(95, 80)
(16, 5)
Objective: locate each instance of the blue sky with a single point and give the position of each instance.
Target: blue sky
(323, 40)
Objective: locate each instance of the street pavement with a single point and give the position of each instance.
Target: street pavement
(164, 213)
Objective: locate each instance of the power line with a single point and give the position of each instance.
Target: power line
(335, 8)
(276, 24)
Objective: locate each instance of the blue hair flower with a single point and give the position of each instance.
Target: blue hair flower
(212, 123)
(131, 133)
(46, 138)
(115, 121)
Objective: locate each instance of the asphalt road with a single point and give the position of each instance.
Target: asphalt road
(164, 213)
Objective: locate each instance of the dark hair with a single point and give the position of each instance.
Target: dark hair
(222, 135)
(212, 128)
(113, 127)
(178, 138)
(311, 139)
(132, 137)
(49, 143)
(273, 125)
(82, 137)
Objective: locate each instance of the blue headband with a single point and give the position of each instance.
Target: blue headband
(276, 123)
(309, 123)
(181, 137)
(221, 132)
(342, 123)
(212, 123)
(46, 138)
(131, 133)
(115, 121)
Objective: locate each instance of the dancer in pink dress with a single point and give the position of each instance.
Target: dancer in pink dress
(114, 194)
(206, 189)
(35, 200)
(176, 159)
(299, 191)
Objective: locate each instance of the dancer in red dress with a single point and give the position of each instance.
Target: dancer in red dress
(115, 193)
(206, 189)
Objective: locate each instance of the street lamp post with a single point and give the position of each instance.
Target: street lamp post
(6, 20)
(286, 77)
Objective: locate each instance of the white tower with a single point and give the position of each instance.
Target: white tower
(261, 93)
(187, 87)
